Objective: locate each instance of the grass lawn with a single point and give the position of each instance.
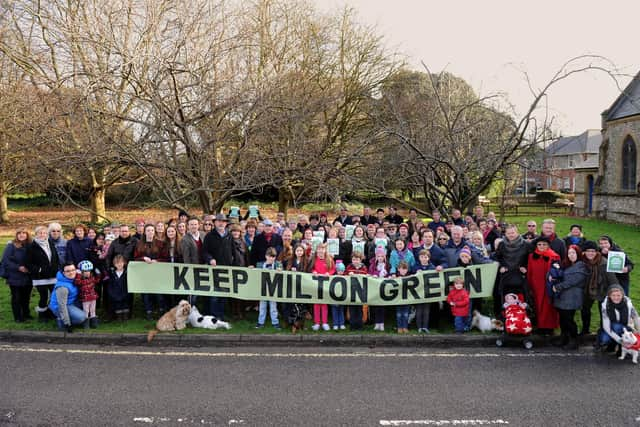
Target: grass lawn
(625, 236)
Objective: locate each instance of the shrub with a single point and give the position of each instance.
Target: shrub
(547, 197)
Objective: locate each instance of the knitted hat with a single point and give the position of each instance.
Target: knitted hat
(589, 245)
(615, 287)
(403, 225)
(465, 250)
(380, 250)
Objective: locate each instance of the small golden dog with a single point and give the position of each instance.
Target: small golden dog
(173, 320)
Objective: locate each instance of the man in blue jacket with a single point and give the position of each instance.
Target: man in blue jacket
(64, 298)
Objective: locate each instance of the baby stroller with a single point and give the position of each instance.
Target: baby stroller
(516, 314)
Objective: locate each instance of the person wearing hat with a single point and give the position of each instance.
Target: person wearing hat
(597, 284)
(540, 262)
(617, 313)
(267, 239)
(217, 251)
(403, 232)
(575, 236)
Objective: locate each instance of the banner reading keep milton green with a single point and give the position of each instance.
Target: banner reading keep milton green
(287, 286)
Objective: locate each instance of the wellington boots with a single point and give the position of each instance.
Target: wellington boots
(93, 322)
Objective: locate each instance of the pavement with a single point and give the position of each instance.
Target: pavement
(330, 339)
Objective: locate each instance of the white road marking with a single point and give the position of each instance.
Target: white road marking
(159, 420)
(442, 422)
(11, 348)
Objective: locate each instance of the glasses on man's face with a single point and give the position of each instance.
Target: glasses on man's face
(69, 270)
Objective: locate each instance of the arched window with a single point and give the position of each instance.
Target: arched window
(629, 164)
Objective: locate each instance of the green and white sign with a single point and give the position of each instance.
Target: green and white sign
(290, 286)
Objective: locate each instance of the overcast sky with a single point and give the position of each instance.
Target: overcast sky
(488, 42)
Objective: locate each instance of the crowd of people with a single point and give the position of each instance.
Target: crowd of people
(557, 275)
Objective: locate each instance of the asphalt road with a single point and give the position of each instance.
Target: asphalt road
(89, 386)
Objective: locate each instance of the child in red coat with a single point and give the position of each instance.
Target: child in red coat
(458, 299)
(86, 281)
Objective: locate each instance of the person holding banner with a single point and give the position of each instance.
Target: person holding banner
(401, 253)
(270, 263)
(217, 250)
(379, 267)
(150, 250)
(321, 263)
(356, 312)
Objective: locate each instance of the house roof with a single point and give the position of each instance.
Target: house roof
(627, 103)
(587, 142)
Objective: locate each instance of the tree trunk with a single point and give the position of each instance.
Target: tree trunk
(284, 199)
(98, 206)
(4, 209)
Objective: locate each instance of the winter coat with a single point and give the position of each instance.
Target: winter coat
(124, 247)
(117, 289)
(396, 257)
(63, 282)
(61, 247)
(452, 253)
(352, 269)
(512, 255)
(145, 250)
(78, 250)
(605, 280)
(558, 246)
(437, 256)
(13, 258)
(260, 246)
(239, 253)
(87, 287)
(42, 269)
(191, 249)
(633, 320)
(460, 297)
(537, 272)
(570, 290)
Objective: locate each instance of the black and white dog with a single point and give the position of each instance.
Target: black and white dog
(197, 320)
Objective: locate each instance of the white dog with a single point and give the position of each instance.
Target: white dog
(630, 345)
(197, 320)
(485, 323)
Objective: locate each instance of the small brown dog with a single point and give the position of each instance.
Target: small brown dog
(173, 320)
(297, 316)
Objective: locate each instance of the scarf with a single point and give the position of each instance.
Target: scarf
(594, 276)
(621, 308)
(44, 244)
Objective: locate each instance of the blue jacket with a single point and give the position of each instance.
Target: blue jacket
(77, 250)
(395, 260)
(437, 258)
(62, 281)
(13, 258)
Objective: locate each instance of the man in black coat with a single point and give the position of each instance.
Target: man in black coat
(263, 241)
(217, 251)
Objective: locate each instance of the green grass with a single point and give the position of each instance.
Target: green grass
(624, 235)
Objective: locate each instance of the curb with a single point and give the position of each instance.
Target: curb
(273, 340)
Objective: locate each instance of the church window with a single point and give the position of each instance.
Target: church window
(629, 164)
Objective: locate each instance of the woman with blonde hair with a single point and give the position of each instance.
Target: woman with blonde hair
(43, 265)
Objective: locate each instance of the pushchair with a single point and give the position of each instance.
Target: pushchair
(517, 309)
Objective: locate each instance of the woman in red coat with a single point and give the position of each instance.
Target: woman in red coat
(540, 262)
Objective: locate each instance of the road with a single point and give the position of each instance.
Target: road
(92, 386)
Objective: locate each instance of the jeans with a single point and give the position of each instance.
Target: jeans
(460, 323)
(402, 316)
(273, 311)
(604, 338)
(76, 315)
(337, 315)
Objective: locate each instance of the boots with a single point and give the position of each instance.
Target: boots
(93, 322)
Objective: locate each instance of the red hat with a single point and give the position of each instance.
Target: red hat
(404, 224)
